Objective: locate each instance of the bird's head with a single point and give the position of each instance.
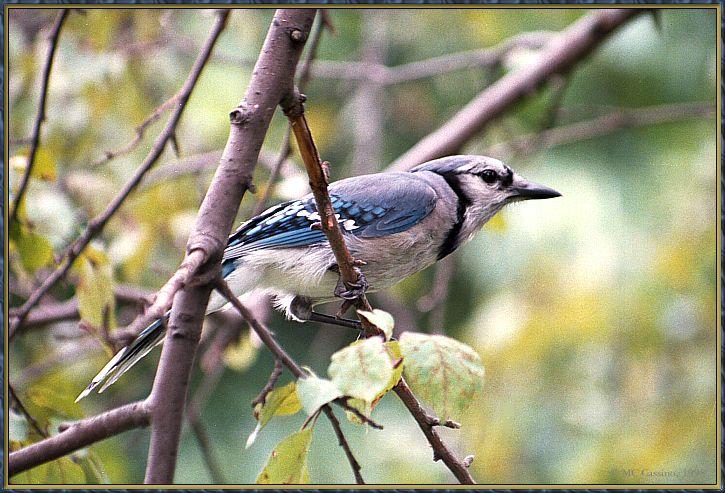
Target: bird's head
(483, 186)
(485, 182)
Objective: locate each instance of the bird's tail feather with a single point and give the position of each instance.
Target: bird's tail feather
(149, 338)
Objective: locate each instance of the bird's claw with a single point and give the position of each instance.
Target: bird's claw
(352, 291)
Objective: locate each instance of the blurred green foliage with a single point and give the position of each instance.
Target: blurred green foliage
(594, 314)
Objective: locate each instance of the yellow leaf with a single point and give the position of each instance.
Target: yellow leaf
(288, 462)
(35, 250)
(44, 165)
(96, 300)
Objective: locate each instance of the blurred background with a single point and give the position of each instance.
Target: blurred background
(594, 314)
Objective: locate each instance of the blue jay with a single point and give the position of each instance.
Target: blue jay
(397, 223)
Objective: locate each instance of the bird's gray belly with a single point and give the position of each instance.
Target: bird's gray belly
(306, 271)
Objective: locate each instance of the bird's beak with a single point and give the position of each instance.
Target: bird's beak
(526, 190)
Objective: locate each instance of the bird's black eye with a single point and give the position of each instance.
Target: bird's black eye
(489, 176)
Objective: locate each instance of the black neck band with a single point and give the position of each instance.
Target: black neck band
(452, 238)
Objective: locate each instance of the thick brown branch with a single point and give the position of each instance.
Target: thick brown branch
(272, 78)
(97, 224)
(440, 449)
(79, 435)
(40, 117)
(303, 78)
(558, 56)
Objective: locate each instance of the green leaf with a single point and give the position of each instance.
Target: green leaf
(315, 392)
(35, 250)
(366, 408)
(380, 319)
(288, 462)
(445, 373)
(393, 348)
(362, 370)
(95, 288)
(279, 402)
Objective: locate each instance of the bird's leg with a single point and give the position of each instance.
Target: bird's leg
(301, 308)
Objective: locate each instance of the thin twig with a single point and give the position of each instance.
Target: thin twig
(271, 382)
(24, 411)
(139, 134)
(317, 172)
(97, 224)
(68, 310)
(602, 125)
(354, 464)
(40, 117)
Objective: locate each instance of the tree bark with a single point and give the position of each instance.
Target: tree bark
(79, 435)
(272, 79)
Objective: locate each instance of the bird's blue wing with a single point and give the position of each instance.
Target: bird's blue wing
(368, 206)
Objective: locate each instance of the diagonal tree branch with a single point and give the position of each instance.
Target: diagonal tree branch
(79, 435)
(40, 117)
(319, 180)
(272, 78)
(558, 56)
(303, 78)
(68, 310)
(440, 449)
(97, 224)
(602, 125)
(317, 173)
